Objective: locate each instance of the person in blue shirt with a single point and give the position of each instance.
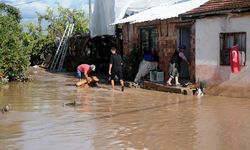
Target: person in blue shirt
(149, 62)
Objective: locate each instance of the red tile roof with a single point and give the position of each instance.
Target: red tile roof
(220, 5)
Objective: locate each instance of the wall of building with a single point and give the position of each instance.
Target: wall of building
(167, 40)
(207, 43)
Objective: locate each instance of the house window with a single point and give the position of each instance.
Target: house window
(148, 38)
(227, 40)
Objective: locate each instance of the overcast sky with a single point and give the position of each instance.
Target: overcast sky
(29, 7)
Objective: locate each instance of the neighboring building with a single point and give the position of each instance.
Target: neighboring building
(107, 12)
(220, 24)
(160, 28)
(103, 34)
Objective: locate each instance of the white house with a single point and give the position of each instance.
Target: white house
(219, 25)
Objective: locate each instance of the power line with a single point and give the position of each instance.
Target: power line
(24, 3)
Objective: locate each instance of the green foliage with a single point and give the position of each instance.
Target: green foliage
(41, 44)
(10, 11)
(131, 64)
(38, 45)
(19, 49)
(14, 56)
(57, 21)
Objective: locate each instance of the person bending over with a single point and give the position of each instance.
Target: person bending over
(85, 69)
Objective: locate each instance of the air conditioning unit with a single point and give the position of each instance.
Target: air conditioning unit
(156, 76)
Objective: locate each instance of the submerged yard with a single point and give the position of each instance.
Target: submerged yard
(102, 119)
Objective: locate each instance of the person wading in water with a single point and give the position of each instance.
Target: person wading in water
(115, 68)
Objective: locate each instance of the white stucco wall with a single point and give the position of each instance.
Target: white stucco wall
(207, 43)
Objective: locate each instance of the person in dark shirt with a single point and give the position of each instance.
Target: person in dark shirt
(174, 65)
(115, 68)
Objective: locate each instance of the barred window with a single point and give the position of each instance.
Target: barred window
(148, 38)
(227, 40)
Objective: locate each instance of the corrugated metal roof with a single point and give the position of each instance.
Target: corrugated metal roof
(162, 12)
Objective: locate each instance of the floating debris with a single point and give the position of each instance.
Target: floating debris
(132, 85)
(74, 103)
(199, 92)
(4, 79)
(6, 108)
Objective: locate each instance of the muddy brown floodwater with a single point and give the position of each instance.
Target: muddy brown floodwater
(135, 119)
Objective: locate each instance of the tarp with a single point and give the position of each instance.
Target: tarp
(102, 16)
(161, 12)
(107, 12)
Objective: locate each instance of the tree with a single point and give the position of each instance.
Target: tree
(14, 57)
(43, 43)
(19, 49)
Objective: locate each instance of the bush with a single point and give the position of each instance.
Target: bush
(14, 57)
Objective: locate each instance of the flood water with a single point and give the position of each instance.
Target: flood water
(135, 119)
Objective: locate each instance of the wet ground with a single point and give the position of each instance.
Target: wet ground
(135, 119)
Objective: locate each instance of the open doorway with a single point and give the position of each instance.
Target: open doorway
(184, 37)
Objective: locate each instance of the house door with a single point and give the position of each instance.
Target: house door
(184, 37)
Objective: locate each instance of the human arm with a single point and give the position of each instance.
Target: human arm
(110, 67)
(87, 77)
(110, 64)
(181, 54)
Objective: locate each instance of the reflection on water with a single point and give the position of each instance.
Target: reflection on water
(102, 119)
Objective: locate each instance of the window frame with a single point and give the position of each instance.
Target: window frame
(224, 42)
(150, 40)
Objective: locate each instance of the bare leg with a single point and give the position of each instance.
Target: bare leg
(169, 80)
(122, 84)
(113, 84)
(177, 80)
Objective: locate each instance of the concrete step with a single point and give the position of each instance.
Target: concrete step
(190, 90)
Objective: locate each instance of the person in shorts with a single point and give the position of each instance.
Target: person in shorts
(174, 65)
(115, 68)
(85, 69)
